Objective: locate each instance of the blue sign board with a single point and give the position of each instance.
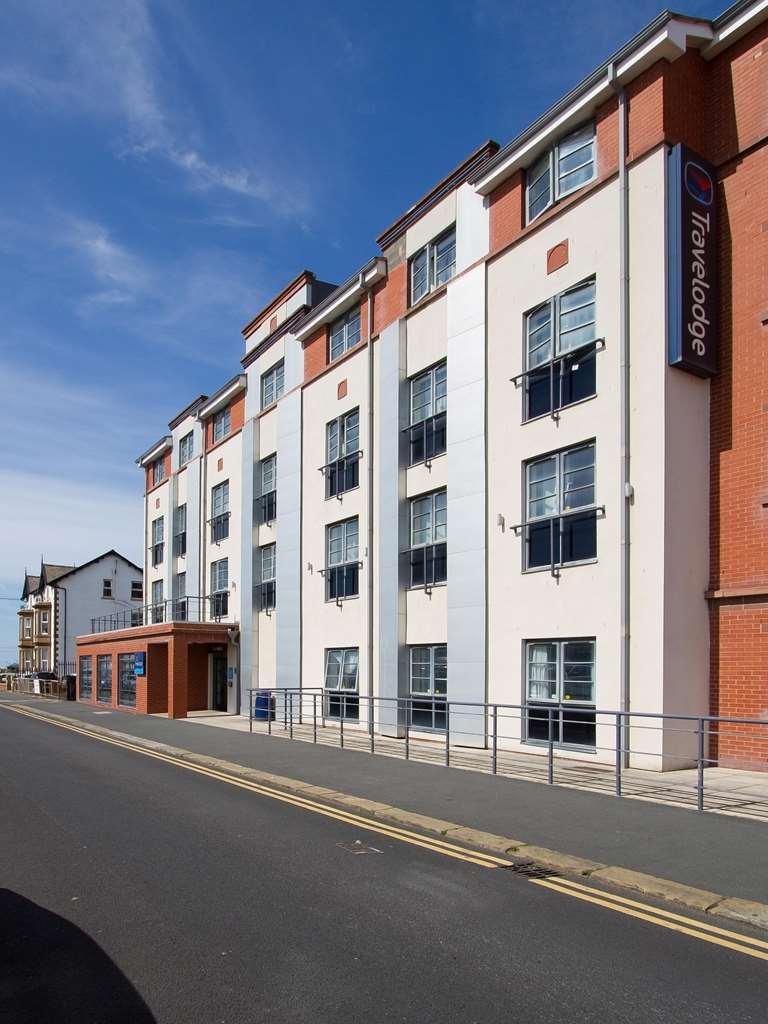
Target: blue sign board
(691, 262)
(140, 664)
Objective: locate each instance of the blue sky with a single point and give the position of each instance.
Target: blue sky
(168, 166)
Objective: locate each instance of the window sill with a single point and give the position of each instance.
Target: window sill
(564, 565)
(430, 296)
(551, 207)
(427, 586)
(339, 600)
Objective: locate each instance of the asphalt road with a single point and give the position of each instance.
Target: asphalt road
(134, 890)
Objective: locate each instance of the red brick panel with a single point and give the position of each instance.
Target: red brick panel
(390, 298)
(198, 677)
(506, 211)
(737, 96)
(316, 353)
(178, 668)
(155, 686)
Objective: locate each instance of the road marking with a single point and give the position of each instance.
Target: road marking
(661, 918)
(382, 828)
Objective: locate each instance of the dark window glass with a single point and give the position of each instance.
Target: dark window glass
(126, 692)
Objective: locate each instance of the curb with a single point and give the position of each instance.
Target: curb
(750, 912)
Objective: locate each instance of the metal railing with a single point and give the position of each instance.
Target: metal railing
(427, 438)
(265, 508)
(213, 608)
(341, 475)
(643, 755)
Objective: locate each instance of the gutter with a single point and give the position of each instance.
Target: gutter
(626, 491)
(370, 511)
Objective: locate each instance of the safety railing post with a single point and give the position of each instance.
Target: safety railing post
(447, 733)
(285, 712)
(341, 721)
(407, 730)
(314, 718)
(700, 768)
(371, 720)
(551, 752)
(250, 711)
(290, 715)
(270, 710)
(619, 753)
(495, 740)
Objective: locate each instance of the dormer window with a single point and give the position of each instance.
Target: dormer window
(433, 265)
(158, 471)
(345, 333)
(563, 169)
(222, 424)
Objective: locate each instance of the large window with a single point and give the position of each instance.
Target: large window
(268, 574)
(220, 512)
(341, 699)
(222, 424)
(186, 448)
(137, 590)
(180, 530)
(433, 265)
(560, 347)
(429, 533)
(560, 691)
(158, 604)
(561, 516)
(158, 471)
(429, 685)
(342, 566)
(272, 383)
(45, 623)
(342, 453)
(568, 165)
(266, 503)
(106, 588)
(180, 596)
(220, 588)
(158, 534)
(126, 680)
(345, 333)
(104, 678)
(86, 677)
(428, 414)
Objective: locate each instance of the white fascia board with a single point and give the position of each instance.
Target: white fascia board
(367, 277)
(735, 29)
(156, 452)
(670, 43)
(223, 398)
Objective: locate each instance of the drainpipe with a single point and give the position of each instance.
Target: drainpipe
(626, 491)
(64, 627)
(370, 538)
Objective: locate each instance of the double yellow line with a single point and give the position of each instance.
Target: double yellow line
(735, 941)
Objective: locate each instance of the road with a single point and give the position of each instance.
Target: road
(136, 890)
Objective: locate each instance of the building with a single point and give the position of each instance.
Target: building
(517, 456)
(62, 602)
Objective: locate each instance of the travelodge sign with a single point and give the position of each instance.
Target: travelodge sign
(691, 263)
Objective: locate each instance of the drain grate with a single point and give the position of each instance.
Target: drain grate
(530, 870)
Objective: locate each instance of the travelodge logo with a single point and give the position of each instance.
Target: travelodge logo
(699, 183)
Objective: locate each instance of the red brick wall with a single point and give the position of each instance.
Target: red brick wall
(506, 211)
(236, 420)
(390, 298)
(112, 650)
(316, 353)
(198, 678)
(148, 485)
(156, 684)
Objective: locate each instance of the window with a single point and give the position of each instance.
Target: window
(158, 532)
(341, 699)
(428, 414)
(268, 564)
(220, 512)
(272, 383)
(86, 676)
(180, 596)
(560, 348)
(43, 661)
(266, 510)
(341, 574)
(106, 588)
(44, 623)
(220, 588)
(180, 530)
(429, 533)
(560, 691)
(561, 170)
(342, 437)
(561, 517)
(158, 471)
(126, 680)
(345, 333)
(158, 605)
(433, 265)
(429, 685)
(186, 448)
(137, 590)
(222, 424)
(104, 678)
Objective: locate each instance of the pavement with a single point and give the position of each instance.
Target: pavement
(718, 855)
(134, 890)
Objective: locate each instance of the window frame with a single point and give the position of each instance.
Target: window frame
(179, 593)
(158, 604)
(274, 380)
(130, 691)
(221, 427)
(561, 513)
(88, 692)
(104, 660)
(341, 471)
(106, 589)
(345, 569)
(341, 328)
(427, 434)
(157, 547)
(433, 551)
(220, 519)
(137, 585)
(559, 702)
(180, 530)
(158, 471)
(429, 254)
(219, 595)
(268, 583)
(551, 158)
(184, 455)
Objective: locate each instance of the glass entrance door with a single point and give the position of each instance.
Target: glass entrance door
(219, 682)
